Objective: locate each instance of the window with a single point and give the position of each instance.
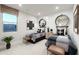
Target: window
(9, 22)
(9, 18)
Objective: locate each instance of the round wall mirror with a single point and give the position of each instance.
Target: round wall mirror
(62, 20)
(42, 23)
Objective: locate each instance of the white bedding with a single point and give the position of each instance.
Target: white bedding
(63, 41)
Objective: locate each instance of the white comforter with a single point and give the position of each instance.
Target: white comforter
(63, 41)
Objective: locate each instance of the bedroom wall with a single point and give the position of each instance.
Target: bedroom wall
(51, 19)
(21, 28)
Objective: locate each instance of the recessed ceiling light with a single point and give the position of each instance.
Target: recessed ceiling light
(39, 13)
(20, 4)
(57, 7)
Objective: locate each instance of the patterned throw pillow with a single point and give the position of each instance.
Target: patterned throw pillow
(60, 32)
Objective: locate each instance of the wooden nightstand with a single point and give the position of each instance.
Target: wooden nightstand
(49, 34)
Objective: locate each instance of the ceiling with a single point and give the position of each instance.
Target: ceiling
(41, 9)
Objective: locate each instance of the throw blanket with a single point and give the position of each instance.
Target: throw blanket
(62, 41)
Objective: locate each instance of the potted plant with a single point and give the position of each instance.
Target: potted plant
(7, 40)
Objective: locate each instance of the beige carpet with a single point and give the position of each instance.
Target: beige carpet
(38, 48)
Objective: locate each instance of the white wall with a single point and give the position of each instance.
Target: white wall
(21, 28)
(51, 19)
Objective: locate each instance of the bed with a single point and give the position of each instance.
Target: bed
(64, 42)
(35, 37)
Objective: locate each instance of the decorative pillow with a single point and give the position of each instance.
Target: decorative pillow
(60, 32)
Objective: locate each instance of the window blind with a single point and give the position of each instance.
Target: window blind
(6, 9)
